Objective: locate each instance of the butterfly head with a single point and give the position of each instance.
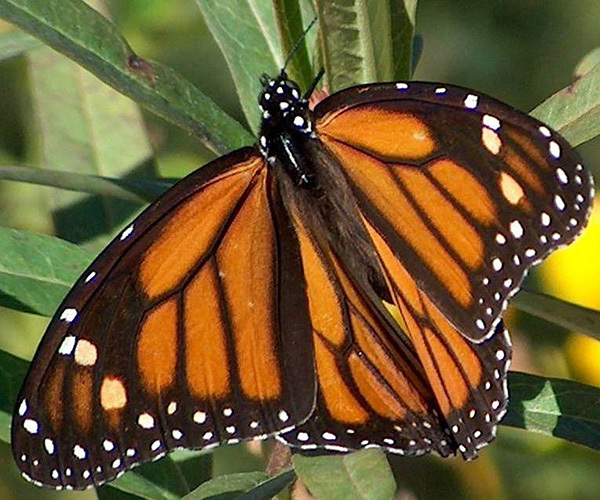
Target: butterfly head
(283, 108)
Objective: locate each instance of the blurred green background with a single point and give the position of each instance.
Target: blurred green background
(519, 51)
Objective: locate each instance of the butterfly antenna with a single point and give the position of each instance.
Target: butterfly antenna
(314, 84)
(297, 44)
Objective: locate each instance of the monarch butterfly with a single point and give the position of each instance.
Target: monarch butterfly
(249, 300)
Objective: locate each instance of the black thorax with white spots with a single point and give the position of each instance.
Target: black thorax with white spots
(286, 124)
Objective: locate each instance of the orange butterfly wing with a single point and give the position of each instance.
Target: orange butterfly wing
(461, 195)
(468, 192)
(191, 329)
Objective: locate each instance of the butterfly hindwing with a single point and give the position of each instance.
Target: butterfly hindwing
(175, 336)
(467, 192)
(371, 391)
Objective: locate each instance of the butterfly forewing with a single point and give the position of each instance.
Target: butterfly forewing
(468, 192)
(175, 336)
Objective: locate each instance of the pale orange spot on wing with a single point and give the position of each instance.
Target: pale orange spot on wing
(465, 189)
(82, 387)
(113, 395)
(86, 353)
(157, 347)
(386, 133)
(206, 358)
(378, 184)
(245, 262)
(491, 140)
(456, 230)
(402, 387)
(190, 232)
(511, 189)
(341, 404)
(53, 394)
(467, 358)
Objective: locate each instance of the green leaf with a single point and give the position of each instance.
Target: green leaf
(361, 475)
(269, 488)
(79, 32)
(136, 190)
(86, 127)
(570, 316)
(554, 407)
(357, 41)
(37, 271)
(587, 63)
(231, 483)
(138, 485)
(12, 373)
(246, 31)
(292, 26)
(403, 19)
(575, 110)
(15, 43)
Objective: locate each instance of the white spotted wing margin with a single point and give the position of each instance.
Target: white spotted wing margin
(105, 394)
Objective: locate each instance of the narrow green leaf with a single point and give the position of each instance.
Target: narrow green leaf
(361, 475)
(246, 31)
(86, 127)
(291, 26)
(79, 32)
(15, 43)
(554, 407)
(403, 19)
(138, 190)
(357, 41)
(575, 110)
(37, 271)
(570, 316)
(270, 487)
(231, 483)
(12, 373)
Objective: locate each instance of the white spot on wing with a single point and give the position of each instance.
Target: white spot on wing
(471, 101)
(67, 345)
(516, 229)
(545, 131)
(69, 315)
(146, 421)
(23, 407)
(491, 122)
(79, 452)
(199, 417)
(401, 86)
(561, 175)
(31, 426)
(49, 445)
(127, 233)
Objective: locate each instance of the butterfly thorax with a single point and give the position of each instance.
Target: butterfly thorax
(286, 123)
